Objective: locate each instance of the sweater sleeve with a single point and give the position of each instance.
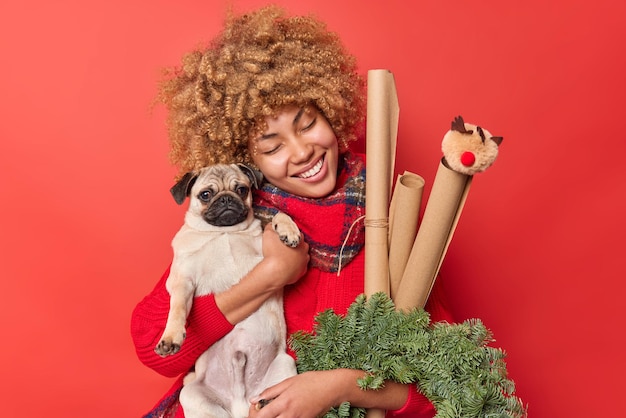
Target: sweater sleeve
(416, 406)
(205, 325)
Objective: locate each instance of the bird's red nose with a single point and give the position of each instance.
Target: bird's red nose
(468, 159)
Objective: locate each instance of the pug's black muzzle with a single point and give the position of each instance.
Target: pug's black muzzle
(226, 210)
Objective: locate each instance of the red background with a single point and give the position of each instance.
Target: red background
(87, 219)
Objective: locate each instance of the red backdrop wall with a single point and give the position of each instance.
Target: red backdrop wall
(87, 219)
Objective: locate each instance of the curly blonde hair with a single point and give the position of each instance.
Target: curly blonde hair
(261, 62)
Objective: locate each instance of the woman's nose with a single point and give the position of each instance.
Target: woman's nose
(301, 151)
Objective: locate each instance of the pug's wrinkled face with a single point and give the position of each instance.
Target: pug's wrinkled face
(220, 194)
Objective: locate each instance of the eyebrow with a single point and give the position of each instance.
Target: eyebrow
(298, 116)
(296, 119)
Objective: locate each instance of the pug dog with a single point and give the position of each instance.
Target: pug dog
(219, 243)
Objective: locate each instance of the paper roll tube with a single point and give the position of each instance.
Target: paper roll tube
(441, 215)
(403, 220)
(382, 118)
(382, 126)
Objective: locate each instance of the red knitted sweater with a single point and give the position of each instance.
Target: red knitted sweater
(315, 292)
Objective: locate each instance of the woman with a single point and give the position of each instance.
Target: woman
(282, 94)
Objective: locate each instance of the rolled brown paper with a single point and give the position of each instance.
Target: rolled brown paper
(403, 220)
(441, 215)
(382, 128)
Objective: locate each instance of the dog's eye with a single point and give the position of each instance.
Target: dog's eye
(205, 195)
(242, 191)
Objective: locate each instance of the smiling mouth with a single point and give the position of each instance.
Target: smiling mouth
(313, 171)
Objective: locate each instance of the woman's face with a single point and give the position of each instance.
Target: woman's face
(298, 152)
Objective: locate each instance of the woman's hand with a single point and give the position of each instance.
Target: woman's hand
(306, 395)
(312, 394)
(288, 264)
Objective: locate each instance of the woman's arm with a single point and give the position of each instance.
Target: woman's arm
(312, 394)
(281, 265)
(213, 316)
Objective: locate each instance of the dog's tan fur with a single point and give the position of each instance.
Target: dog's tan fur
(209, 259)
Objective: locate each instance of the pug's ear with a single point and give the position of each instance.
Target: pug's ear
(182, 188)
(255, 176)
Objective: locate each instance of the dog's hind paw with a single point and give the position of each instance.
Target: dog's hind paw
(167, 348)
(286, 229)
(290, 241)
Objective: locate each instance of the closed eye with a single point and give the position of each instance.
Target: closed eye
(271, 150)
(310, 125)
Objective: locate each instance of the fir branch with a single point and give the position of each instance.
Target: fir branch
(452, 363)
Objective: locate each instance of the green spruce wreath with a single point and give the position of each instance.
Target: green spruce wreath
(455, 368)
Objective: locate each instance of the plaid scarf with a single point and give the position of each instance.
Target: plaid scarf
(325, 222)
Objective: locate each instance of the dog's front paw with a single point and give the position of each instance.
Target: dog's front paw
(286, 229)
(167, 346)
